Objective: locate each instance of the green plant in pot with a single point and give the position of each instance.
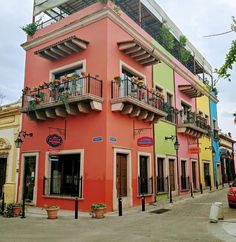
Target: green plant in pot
(52, 211)
(98, 210)
(16, 209)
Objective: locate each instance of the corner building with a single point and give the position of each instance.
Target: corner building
(92, 92)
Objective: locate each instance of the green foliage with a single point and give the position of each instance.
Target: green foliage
(95, 206)
(184, 54)
(167, 37)
(102, 1)
(31, 28)
(215, 90)
(8, 210)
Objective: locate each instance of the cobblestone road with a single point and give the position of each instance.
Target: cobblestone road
(186, 221)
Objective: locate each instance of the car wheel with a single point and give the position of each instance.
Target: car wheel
(231, 206)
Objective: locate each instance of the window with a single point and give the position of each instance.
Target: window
(77, 70)
(169, 109)
(185, 113)
(65, 175)
(184, 178)
(159, 89)
(145, 181)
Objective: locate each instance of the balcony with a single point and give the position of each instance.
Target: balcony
(162, 184)
(193, 124)
(70, 95)
(145, 186)
(171, 113)
(132, 98)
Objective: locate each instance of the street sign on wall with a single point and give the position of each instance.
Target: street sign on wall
(54, 140)
(194, 150)
(145, 141)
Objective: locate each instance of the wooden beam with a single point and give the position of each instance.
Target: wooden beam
(117, 107)
(42, 54)
(40, 115)
(72, 47)
(58, 52)
(143, 57)
(132, 50)
(79, 43)
(60, 112)
(125, 46)
(84, 107)
(147, 61)
(150, 117)
(135, 112)
(50, 113)
(64, 49)
(47, 52)
(143, 115)
(127, 109)
(96, 106)
(138, 53)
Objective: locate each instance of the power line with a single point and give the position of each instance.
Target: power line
(213, 35)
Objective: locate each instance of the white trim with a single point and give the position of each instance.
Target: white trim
(67, 67)
(149, 162)
(172, 99)
(133, 70)
(168, 158)
(186, 102)
(22, 174)
(127, 202)
(164, 164)
(186, 166)
(47, 170)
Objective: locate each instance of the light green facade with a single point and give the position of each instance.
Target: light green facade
(163, 77)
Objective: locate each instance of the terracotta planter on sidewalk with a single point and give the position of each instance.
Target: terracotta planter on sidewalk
(52, 212)
(16, 211)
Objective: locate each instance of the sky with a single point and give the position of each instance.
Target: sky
(195, 18)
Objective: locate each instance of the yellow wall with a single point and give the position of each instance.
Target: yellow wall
(203, 105)
(9, 128)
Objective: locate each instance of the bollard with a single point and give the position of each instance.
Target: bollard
(76, 207)
(143, 203)
(201, 188)
(217, 185)
(191, 190)
(120, 206)
(170, 195)
(3, 202)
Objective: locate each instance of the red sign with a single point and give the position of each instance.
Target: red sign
(194, 150)
(54, 140)
(145, 141)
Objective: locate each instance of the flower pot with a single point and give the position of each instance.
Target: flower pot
(99, 212)
(52, 213)
(16, 211)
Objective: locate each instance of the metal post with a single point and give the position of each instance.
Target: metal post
(76, 207)
(143, 203)
(120, 206)
(210, 183)
(217, 185)
(170, 194)
(201, 188)
(191, 189)
(3, 202)
(23, 205)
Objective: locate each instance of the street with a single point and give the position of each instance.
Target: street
(187, 220)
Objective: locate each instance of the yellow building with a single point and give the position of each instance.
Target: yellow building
(205, 145)
(9, 156)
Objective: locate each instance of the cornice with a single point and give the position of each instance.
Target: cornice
(109, 13)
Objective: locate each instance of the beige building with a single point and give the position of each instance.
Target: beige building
(10, 119)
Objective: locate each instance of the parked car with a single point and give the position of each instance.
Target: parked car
(232, 195)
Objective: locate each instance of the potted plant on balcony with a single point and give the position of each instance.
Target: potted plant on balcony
(98, 210)
(118, 80)
(16, 209)
(52, 211)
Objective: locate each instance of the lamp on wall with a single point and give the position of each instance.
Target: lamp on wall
(176, 143)
(20, 137)
(212, 149)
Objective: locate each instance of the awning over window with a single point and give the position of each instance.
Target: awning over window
(63, 48)
(138, 52)
(190, 91)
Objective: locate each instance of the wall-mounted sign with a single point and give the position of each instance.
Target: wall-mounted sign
(145, 141)
(112, 139)
(97, 139)
(54, 140)
(194, 150)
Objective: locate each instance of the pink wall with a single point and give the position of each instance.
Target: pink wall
(185, 141)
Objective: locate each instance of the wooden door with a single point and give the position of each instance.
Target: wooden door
(194, 176)
(121, 175)
(3, 166)
(161, 179)
(172, 174)
(143, 166)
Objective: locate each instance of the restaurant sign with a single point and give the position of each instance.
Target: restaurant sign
(54, 140)
(194, 150)
(145, 141)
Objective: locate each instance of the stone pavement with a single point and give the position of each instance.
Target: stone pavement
(187, 220)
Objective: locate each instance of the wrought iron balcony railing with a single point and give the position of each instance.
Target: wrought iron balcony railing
(66, 91)
(162, 184)
(145, 185)
(128, 88)
(185, 183)
(58, 186)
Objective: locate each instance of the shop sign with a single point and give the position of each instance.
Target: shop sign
(54, 140)
(97, 139)
(145, 141)
(194, 150)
